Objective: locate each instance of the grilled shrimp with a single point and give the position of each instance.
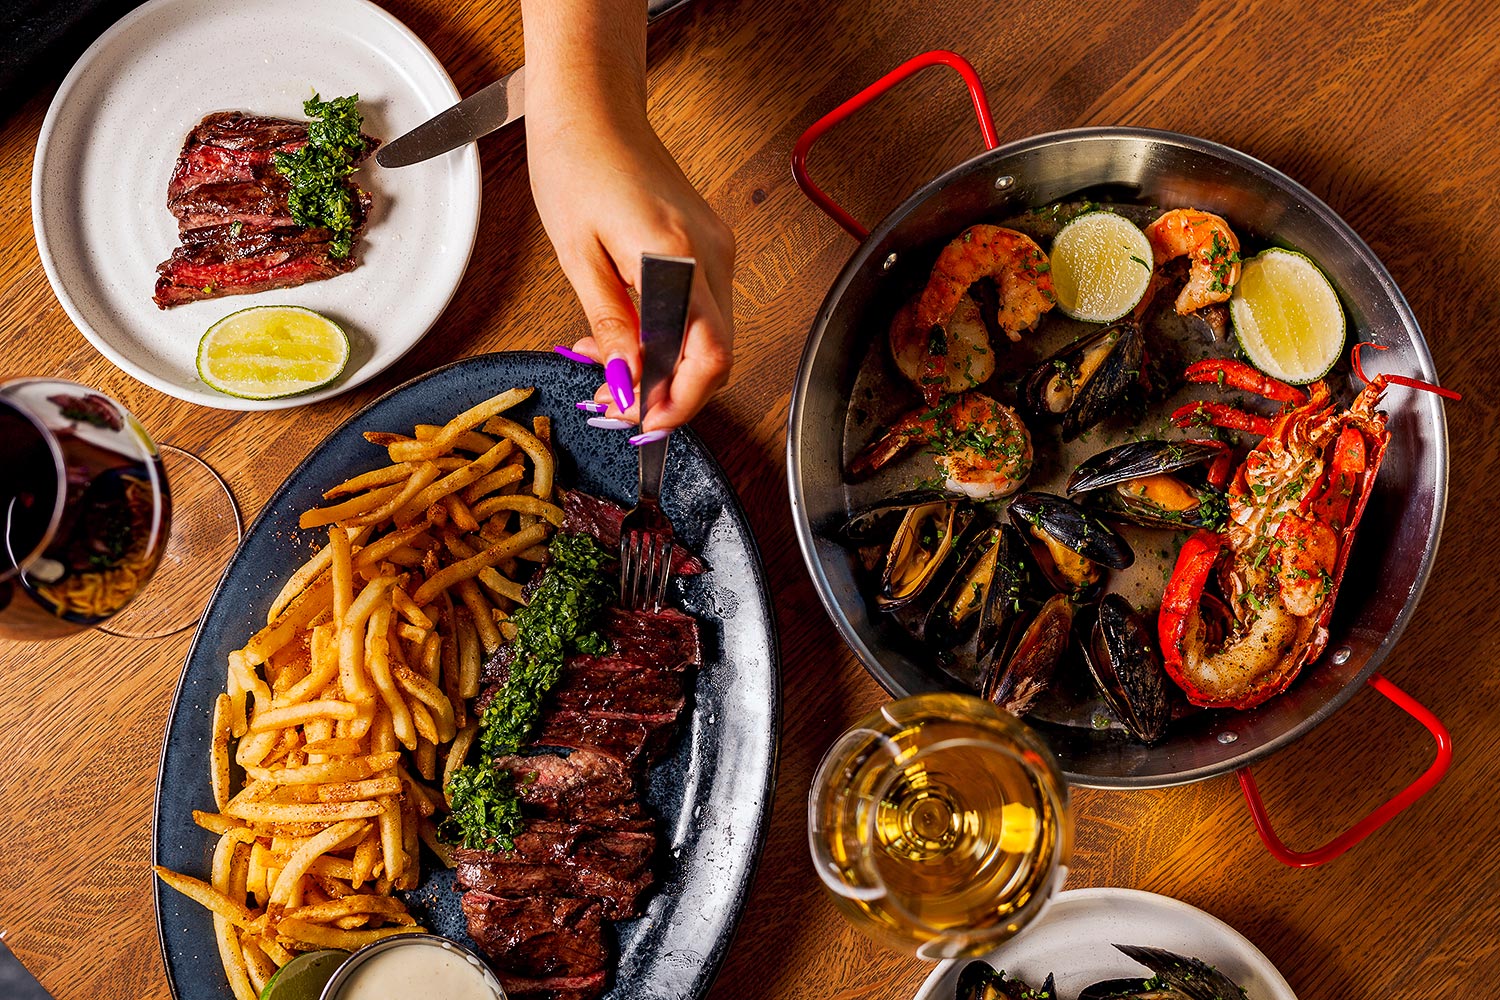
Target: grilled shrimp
(1214, 251)
(949, 359)
(982, 447)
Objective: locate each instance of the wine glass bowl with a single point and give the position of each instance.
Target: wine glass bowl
(84, 508)
(939, 825)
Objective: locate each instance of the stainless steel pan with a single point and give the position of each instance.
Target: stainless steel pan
(1399, 534)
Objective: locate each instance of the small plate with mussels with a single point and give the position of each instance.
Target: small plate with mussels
(1104, 944)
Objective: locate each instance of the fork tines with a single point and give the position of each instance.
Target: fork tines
(645, 569)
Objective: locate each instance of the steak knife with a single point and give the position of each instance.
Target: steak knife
(482, 112)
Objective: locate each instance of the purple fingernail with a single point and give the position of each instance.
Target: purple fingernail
(617, 377)
(648, 437)
(573, 355)
(610, 425)
(591, 407)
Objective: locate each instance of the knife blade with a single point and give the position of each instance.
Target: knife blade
(482, 112)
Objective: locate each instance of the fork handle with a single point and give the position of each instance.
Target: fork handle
(653, 464)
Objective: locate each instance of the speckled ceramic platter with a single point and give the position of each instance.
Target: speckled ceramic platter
(712, 795)
(117, 124)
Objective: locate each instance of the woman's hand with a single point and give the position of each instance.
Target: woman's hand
(607, 191)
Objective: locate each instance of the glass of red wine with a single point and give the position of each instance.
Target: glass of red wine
(84, 512)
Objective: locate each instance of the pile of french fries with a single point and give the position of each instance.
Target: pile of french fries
(348, 707)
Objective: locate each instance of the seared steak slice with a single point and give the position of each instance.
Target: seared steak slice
(566, 859)
(555, 987)
(583, 787)
(661, 640)
(201, 165)
(634, 738)
(540, 936)
(606, 683)
(239, 131)
(584, 514)
(260, 202)
(619, 897)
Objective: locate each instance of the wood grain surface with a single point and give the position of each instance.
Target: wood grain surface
(1385, 109)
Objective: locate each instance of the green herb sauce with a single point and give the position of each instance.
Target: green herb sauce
(319, 196)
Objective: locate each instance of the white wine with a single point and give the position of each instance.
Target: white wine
(939, 824)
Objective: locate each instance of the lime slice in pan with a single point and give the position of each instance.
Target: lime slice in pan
(266, 352)
(1287, 316)
(1101, 265)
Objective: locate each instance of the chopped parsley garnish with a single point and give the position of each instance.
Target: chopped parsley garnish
(319, 197)
(558, 621)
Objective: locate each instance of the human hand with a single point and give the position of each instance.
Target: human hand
(607, 191)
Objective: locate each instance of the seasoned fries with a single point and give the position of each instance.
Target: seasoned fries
(344, 707)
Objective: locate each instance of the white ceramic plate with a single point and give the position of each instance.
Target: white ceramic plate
(1075, 939)
(111, 139)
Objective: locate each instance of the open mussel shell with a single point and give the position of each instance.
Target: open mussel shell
(1130, 989)
(1070, 544)
(1088, 379)
(1152, 483)
(1014, 681)
(979, 981)
(1191, 978)
(924, 540)
(981, 601)
(867, 523)
(1127, 668)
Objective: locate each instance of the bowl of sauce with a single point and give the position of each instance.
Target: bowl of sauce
(408, 965)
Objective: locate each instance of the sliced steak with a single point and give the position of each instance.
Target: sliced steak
(583, 787)
(539, 936)
(201, 165)
(585, 514)
(238, 131)
(607, 683)
(619, 897)
(661, 640)
(259, 202)
(566, 859)
(634, 738)
(555, 987)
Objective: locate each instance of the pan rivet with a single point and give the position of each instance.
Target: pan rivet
(1227, 738)
(1341, 655)
(1004, 181)
(890, 262)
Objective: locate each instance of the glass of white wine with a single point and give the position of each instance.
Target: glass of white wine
(940, 825)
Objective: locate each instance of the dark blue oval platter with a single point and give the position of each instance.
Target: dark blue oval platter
(712, 794)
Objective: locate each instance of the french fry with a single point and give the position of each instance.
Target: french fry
(457, 751)
(317, 598)
(318, 936)
(383, 476)
(426, 759)
(422, 721)
(467, 441)
(303, 812)
(330, 839)
(368, 788)
(257, 963)
(535, 449)
(351, 635)
(344, 769)
(390, 835)
(347, 509)
(459, 514)
(293, 715)
(334, 747)
(365, 856)
(378, 550)
(469, 659)
(215, 822)
(425, 691)
(387, 907)
(425, 473)
(325, 666)
(465, 569)
(218, 752)
(275, 951)
(308, 572)
(442, 442)
(341, 571)
(410, 844)
(206, 895)
(527, 505)
(408, 609)
(453, 482)
(490, 482)
(378, 662)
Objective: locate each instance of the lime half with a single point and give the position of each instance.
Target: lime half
(266, 352)
(1101, 265)
(304, 977)
(1287, 316)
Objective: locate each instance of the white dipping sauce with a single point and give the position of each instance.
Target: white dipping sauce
(424, 969)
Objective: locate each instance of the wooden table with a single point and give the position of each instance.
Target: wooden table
(1388, 113)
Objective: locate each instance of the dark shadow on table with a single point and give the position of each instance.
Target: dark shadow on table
(40, 39)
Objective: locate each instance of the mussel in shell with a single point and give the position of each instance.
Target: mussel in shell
(977, 610)
(1071, 545)
(1127, 668)
(1159, 484)
(1129, 989)
(1187, 978)
(1014, 681)
(979, 981)
(1088, 379)
(927, 533)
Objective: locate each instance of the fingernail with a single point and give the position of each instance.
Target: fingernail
(617, 377)
(648, 437)
(591, 407)
(610, 425)
(573, 355)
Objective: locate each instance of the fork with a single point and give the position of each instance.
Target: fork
(646, 536)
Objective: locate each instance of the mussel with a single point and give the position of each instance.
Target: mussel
(1014, 681)
(1159, 484)
(1174, 977)
(1127, 668)
(925, 537)
(977, 610)
(979, 981)
(1070, 544)
(1088, 379)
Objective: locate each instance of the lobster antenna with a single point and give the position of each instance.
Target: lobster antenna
(1407, 381)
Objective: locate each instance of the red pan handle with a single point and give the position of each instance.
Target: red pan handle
(799, 152)
(1380, 816)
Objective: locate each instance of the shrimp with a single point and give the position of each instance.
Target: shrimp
(1020, 269)
(1214, 251)
(948, 359)
(982, 447)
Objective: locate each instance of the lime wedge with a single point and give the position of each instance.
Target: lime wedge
(266, 352)
(1101, 265)
(1287, 316)
(304, 977)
